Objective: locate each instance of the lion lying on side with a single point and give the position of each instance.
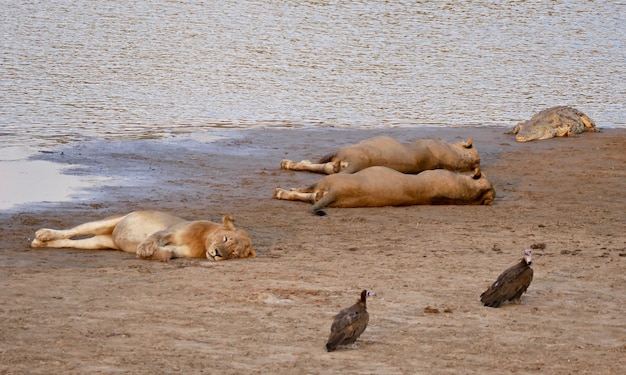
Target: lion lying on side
(383, 151)
(381, 186)
(154, 235)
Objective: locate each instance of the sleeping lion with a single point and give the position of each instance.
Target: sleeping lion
(154, 235)
(381, 186)
(414, 157)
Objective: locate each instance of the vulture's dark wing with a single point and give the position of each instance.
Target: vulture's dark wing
(347, 326)
(346, 317)
(510, 285)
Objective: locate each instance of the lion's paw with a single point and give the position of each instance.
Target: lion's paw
(37, 243)
(162, 255)
(45, 235)
(146, 248)
(277, 193)
(284, 164)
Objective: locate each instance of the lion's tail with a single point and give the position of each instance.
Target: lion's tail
(327, 158)
(324, 201)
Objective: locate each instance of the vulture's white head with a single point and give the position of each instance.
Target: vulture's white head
(527, 256)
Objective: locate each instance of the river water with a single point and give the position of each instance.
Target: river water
(73, 70)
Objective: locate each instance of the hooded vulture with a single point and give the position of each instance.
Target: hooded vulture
(350, 323)
(511, 284)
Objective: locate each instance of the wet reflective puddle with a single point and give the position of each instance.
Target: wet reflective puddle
(29, 181)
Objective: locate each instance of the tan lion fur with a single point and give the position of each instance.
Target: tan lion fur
(381, 186)
(154, 235)
(414, 157)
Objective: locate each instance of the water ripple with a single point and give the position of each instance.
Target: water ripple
(75, 69)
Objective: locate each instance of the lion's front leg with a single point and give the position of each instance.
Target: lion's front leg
(146, 248)
(152, 246)
(162, 254)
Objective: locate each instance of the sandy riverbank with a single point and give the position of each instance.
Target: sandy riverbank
(69, 311)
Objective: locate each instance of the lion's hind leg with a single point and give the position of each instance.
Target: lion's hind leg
(100, 230)
(46, 235)
(306, 165)
(303, 195)
(92, 243)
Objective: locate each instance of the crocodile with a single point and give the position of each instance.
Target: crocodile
(554, 122)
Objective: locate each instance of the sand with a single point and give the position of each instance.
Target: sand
(78, 312)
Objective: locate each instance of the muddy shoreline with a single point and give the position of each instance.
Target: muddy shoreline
(76, 311)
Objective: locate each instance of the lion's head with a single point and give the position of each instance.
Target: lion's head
(229, 242)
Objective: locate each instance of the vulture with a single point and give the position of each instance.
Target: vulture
(511, 284)
(350, 323)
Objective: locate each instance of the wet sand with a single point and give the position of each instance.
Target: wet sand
(73, 311)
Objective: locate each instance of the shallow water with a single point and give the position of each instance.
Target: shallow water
(27, 181)
(74, 69)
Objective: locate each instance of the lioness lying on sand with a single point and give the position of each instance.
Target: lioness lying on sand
(383, 151)
(381, 186)
(154, 235)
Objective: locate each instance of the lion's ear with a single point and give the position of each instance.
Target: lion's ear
(469, 143)
(228, 222)
(476, 175)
